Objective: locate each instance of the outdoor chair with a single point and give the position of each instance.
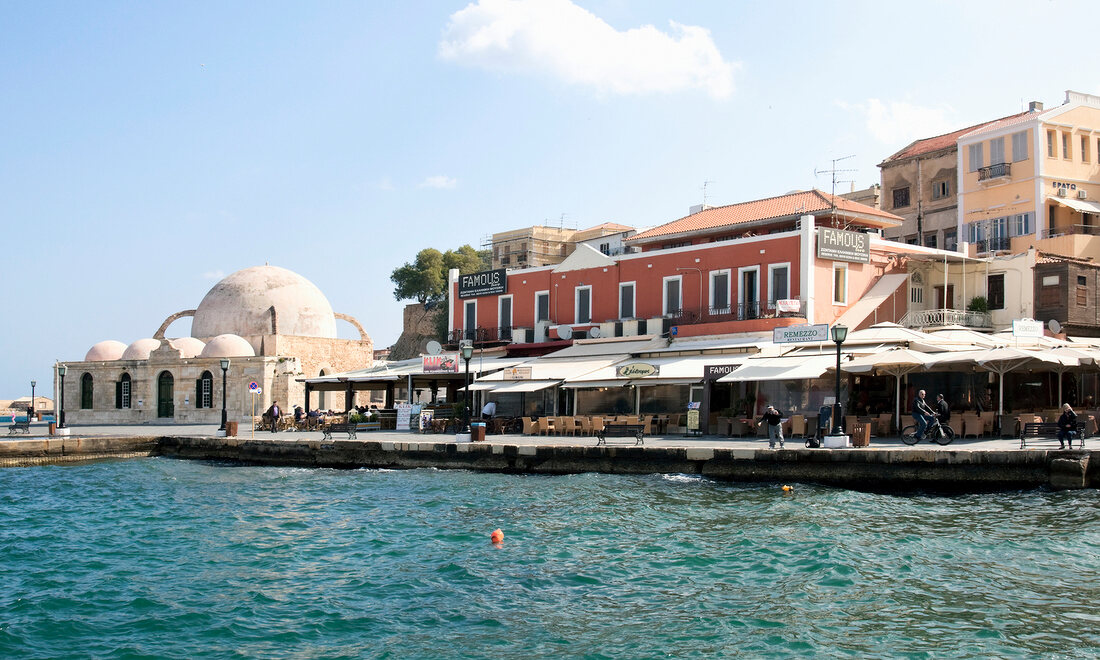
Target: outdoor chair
(972, 426)
(544, 426)
(568, 425)
(597, 425)
(738, 427)
(647, 422)
(585, 425)
(530, 427)
(798, 426)
(956, 425)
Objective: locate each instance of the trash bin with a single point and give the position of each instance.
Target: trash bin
(477, 429)
(231, 429)
(53, 428)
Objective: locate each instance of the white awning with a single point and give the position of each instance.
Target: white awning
(870, 301)
(1080, 205)
(671, 370)
(596, 383)
(524, 386)
(781, 368)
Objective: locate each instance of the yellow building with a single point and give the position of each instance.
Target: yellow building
(1033, 180)
(531, 247)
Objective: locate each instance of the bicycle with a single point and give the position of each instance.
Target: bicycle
(936, 432)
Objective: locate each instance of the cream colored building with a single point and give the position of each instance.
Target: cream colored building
(271, 324)
(531, 247)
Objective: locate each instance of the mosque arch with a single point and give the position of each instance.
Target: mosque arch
(123, 387)
(159, 334)
(165, 395)
(86, 391)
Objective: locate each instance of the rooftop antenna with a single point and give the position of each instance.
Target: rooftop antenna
(833, 172)
(705, 184)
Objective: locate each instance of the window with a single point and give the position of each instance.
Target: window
(1020, 224)
(995, 286)
(670, 297)
(976, 159)
(605, 248)
(719, 292)
(748, 292)
(997, 151)
(912, 240)
(840, 284)
(469, 324)
(1084, 149)
(940, 189)
(542, 306)
(204, 391)
(916, 294)
(930, 240)
(950, 239)
(1082, 291)
(901, 197)
(86, 392)
(1065, 147)
(626, 300)
(582, 304)
(1019, 146)
(779, 282)
(504, 316)
(122, 392)
(1050, 144)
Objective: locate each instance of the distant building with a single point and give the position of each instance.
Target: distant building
(869, 196)
(535, 246)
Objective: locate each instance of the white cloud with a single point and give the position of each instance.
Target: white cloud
(440, 181)
(558, 38)
(898, 123)
(383, 184)
(213, 275)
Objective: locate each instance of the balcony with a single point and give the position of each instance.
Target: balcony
(998, 171)
(997, 244)
(1069, 230)
(940, 317)
(740, 312)
(481, 335)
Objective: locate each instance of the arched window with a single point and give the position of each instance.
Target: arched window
(321, 395)
(86, 391)
(122, 391)
(204, 391)
(166, 388)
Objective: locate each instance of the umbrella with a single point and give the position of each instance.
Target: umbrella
(897, 363)
(997, 360)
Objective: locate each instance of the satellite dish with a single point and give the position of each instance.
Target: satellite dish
(434, 348)
(1054, 326)
(594, 333)
(565, 332)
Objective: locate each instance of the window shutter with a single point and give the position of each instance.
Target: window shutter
(198, 393)
(118, 394)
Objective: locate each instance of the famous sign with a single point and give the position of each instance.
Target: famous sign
(842, 245)
(801, 334)
(485, 283)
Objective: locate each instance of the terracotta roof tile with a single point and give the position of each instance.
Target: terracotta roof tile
(790, 205)
(928, 145)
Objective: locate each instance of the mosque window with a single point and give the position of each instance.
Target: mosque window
(86, 392)
(122, 391)
(204, 391)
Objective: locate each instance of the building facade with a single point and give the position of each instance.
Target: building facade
(532, 247)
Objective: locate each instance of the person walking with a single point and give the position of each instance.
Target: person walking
(774, 420)
(922, 414)
(1067, 426)
(273, 415)
(943, 411)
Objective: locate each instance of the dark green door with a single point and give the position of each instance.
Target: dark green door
(165, 408)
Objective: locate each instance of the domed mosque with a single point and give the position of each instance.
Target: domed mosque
(269, 324)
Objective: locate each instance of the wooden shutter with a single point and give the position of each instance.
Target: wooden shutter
(118, 394)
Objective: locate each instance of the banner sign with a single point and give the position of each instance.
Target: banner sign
(788, 305)
(637, 370)
(441, 364)
(843, 245)
(517, 373)
(716, 371)
(801, 334)
(485, 283)
(1027, 328)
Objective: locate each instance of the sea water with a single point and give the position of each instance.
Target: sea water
(164, 558)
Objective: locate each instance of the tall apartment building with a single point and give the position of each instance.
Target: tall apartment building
(539, 245)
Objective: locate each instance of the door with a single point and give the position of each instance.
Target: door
(165, 386)
(950, 302)
(750, 301)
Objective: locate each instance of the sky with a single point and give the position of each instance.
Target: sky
(149, 149)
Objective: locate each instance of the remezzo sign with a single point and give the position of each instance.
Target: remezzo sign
(801, 334)
(842, 245)
(485, 283)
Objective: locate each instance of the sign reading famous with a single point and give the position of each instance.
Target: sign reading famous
(485, 283)
(842, 245)
(801, 334)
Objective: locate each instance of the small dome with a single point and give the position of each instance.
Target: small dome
(140, 349)
(188, 347)
(227, 346)
(242, 304)
(105, 351)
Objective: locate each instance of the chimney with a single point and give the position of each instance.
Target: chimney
(1035, 106)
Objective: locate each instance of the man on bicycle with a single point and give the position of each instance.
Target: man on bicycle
(922, 414)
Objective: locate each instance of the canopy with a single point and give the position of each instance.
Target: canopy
(897, 363)
(1079, 205)
(997, 360)
(780, 368)
(669, 370)
(872, 299)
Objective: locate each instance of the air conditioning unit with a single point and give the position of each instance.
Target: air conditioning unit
(1061, 192)
(628, 328)
(1082, 194)
(542, 331)
(522, 335)
(607, 329)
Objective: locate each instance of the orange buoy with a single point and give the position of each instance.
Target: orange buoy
(787, 489)
(497, 536)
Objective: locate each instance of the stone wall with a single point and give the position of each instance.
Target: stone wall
(419, 327)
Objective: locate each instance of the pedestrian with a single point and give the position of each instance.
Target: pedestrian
(489, 410)
(1067, 426)
(774, 420)
(942, 409)
(922, 414)
(273, 415)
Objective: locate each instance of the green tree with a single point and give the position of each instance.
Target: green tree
(425, 280)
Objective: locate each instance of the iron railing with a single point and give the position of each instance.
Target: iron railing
(1069, 230)
(998, 244)
(994, 171)
(939, 317)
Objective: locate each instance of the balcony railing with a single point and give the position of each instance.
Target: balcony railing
(994, 171)
(739, 312)
(998, 244)
(480, 335)
(940, 317)
(1070, 230)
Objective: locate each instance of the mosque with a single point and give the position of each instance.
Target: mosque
(270, 324)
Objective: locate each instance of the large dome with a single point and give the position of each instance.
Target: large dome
(105, 351)
(241, 305)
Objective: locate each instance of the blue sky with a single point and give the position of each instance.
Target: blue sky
(148, 149)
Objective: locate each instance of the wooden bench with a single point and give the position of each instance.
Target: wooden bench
(342, 427)
(635, 431)
(25, 427)
(1048, 431)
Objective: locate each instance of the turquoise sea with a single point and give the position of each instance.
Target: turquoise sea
(163, 558)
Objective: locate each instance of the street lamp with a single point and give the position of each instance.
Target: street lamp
(839, 333)
(467, 348)
(33, 383)
(225, 367)
(61, 369)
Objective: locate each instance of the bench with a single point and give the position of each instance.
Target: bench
(25, 427)
(620, 431)
(1049, 431)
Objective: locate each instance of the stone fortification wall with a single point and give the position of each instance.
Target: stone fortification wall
(418, 328)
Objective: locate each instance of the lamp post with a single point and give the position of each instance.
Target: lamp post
(225, 367)
(33, 383)
(467, 348)
(61, 369)
(839, 334)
